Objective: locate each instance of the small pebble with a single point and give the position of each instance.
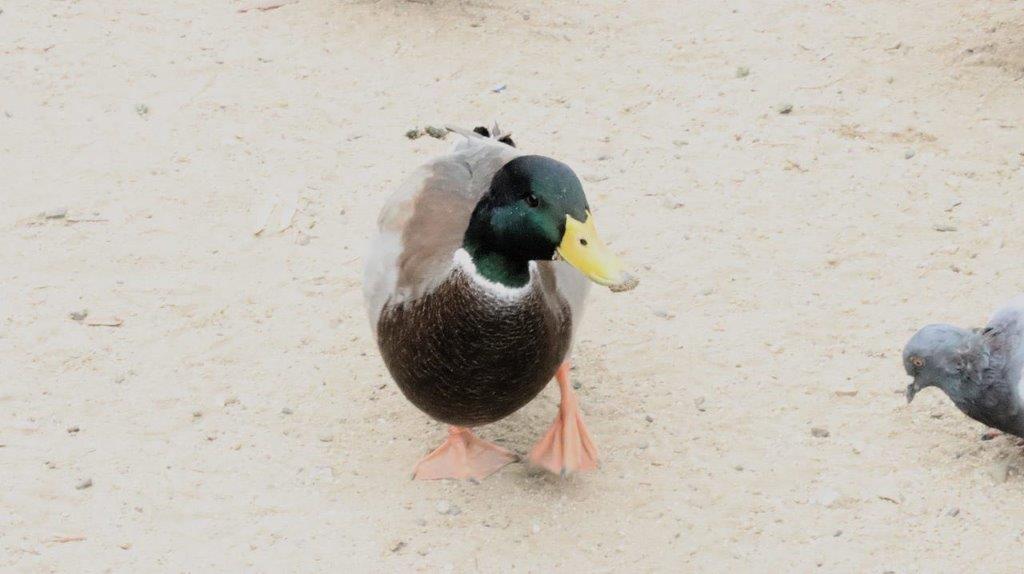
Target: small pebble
(79, 315)
(436, 133)
(142, 109)
(952, 512)
(197, 414)
(819, 432)
(649, 418)
(73, 429)
(443, 506)
(59, 213)
(397, 545)
(742, 72)
(230, 401)
(944, 228)
(837, 534)
(286, 411)
(413, 133)
(909, 154)
(577, 385)
(846, 392)
(326, 437)
(499, 88)
(87, 483)
(535, 528)
(784, 108)
(664, 314)
(699, 403)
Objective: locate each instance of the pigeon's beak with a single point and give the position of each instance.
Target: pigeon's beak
(912, 390)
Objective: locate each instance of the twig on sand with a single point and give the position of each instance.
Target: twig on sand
(264, 7)
(108, 321)
(86, 220)
(65, 539)
(818, 87)
(794, 165)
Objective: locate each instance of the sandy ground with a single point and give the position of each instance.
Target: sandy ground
(240, 419)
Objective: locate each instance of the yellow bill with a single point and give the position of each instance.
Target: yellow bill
(582, 248)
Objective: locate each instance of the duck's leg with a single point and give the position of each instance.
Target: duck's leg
(463, 455)
(567, 446)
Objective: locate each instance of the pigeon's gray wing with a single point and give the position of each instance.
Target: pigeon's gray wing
(1005, 335)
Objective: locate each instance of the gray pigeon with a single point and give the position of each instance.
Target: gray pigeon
(979, 369)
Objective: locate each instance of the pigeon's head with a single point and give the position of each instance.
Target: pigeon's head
(941, 356)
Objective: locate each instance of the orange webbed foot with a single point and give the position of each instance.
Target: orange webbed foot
(566, 447)
(463, 455)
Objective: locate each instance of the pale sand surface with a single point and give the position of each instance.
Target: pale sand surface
(784, 258)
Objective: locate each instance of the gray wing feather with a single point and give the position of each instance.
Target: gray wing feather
(422, 224)
(1005, 333)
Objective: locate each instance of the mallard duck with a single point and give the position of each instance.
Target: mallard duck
(474, 286)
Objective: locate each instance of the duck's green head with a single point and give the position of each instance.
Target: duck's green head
(536, 210)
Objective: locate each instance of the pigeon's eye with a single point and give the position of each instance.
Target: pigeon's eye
(917, 362)
(532, 200)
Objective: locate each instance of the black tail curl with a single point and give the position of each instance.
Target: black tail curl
(503, 138)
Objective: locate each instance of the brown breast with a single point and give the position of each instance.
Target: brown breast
(467, 357)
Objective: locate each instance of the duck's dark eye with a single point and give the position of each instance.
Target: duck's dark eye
(917, 362)
(532, 200)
